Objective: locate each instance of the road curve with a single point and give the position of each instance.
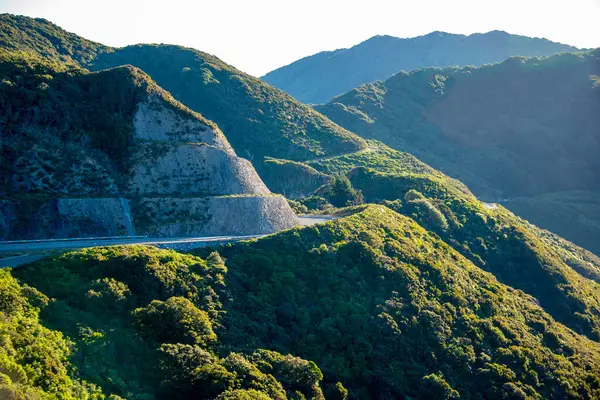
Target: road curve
(38, 245)
(35, 249)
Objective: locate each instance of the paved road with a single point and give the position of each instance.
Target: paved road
(36, 249)
(306, 220)
(38, 245)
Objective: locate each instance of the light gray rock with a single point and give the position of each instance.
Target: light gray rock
(192, 169)
(155, 120)
(213, 216)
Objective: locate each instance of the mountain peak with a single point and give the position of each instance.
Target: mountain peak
(317, 80)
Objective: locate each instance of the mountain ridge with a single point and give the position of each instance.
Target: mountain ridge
(76, 144)
(319, 78)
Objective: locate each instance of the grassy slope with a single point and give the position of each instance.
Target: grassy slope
(380, 303)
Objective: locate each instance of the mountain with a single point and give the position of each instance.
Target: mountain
(51, 42)
(259, 120)
(521, 129)
(429, 294)
(317, 79)
(379, 304)
(112, 153)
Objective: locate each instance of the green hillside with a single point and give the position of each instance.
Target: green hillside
(40, 36)
(376, 301)
(135, 323)
(521, 128)
(392, 311)
(258, 119)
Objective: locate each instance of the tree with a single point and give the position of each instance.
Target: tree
(176, 320)
(341, 193)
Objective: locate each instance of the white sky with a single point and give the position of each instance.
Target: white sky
(261, 35)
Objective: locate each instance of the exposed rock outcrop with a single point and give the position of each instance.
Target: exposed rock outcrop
(188, 168)
(154, 120)
(67, 177)
(62, 217)
(212, 216)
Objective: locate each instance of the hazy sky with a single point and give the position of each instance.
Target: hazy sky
(261, 35)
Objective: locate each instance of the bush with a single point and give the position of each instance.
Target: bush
(176, 320)
(340, 192)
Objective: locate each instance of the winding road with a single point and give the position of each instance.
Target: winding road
(25, 251)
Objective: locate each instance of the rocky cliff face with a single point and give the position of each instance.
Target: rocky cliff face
(147, 216)
(158, 153)
(190, 168)
(212, 216)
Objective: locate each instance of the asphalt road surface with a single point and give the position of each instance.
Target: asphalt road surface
(33, 250)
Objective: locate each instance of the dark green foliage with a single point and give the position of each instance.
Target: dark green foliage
(318, 78)
(33, 359)
(176, 320)
(518, 254)
(39, 36)
(340, 193)
(142, 322)
(391, 311)
(290, 178)
(315, 203)
(435, 387)
(520, 128)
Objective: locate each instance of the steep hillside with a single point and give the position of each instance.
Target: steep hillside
(132, 323)
(521, 128)
(392, 311)
(563, 278)
(318, 78)
(76, 146)
(379, 303)
(258, 119)
(40, 36)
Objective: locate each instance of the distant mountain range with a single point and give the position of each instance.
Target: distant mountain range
(317, 79)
